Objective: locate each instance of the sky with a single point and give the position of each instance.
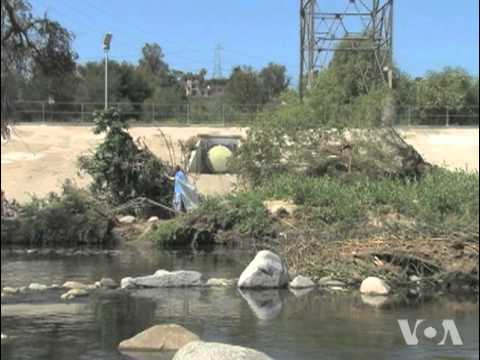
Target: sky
(429, 34)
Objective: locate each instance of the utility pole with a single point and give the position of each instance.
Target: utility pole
(325, 24)
(106, 47)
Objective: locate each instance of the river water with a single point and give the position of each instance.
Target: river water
(285, 325)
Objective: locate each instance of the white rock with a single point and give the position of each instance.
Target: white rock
(10, 291)
(37, 287)
(107, 283)
(302, 282)
(128, 283)
(74, 285)
(213, 351)
(127, 220)
(74, 293)
(166, 279)
(153, 220)
(266, 271)
(4, 338)
(375, 286)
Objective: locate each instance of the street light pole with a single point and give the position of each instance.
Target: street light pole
(106, 47)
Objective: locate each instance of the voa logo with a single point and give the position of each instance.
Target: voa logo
(444, 333)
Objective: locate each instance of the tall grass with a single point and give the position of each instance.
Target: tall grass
(441, 198)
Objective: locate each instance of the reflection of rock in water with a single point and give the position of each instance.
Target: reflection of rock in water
(120, 316)
(266, 305)
(299, 293)
(375, 301)
(212, 303)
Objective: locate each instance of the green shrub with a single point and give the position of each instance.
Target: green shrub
(73, 218)
(122, 169)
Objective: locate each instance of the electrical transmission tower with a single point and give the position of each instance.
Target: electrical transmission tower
(217, 67)
(325, 24)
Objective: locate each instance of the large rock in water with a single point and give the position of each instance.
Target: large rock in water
(213, 351)
(375, 286)
(165, 279)
(161, 338)
(266, 271)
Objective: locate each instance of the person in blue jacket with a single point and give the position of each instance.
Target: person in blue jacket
(180, 179)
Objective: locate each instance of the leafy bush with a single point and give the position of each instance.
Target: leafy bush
(123, 169)
(72, 218)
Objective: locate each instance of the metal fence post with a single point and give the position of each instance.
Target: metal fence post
(223, 114)
(43, 112)
(448, 117)
(82, 110)
(188, 114)
(154, 115)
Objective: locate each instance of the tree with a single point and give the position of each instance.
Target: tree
(29, 41)
(274, 80)
(153, 60)
(447, 89)
(244, 88)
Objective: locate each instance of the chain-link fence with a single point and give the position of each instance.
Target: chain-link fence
(223, 114)
(215, 113)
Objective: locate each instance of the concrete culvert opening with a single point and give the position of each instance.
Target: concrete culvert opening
(213, 153)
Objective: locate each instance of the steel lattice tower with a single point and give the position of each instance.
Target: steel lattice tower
(324, 24)
(217, 66)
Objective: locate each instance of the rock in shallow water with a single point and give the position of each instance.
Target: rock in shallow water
(165, 279)
(267, 270)
(75, 293)
(212, 351)
(37, 287)
(302, 282)
(161, 338)
(375, 286)
(74, 285)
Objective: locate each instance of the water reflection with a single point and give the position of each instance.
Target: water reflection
(266, 304)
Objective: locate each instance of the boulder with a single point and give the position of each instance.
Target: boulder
(107, 283)
(165, 279)
(375, 286)
(10, 291)
(74, 285)
(212, 351)
(128, 283)
(127, 220)
(37, 287)
(154, 219)
(74, 293)
(302, 282)
(161, 338)
(266, 271)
